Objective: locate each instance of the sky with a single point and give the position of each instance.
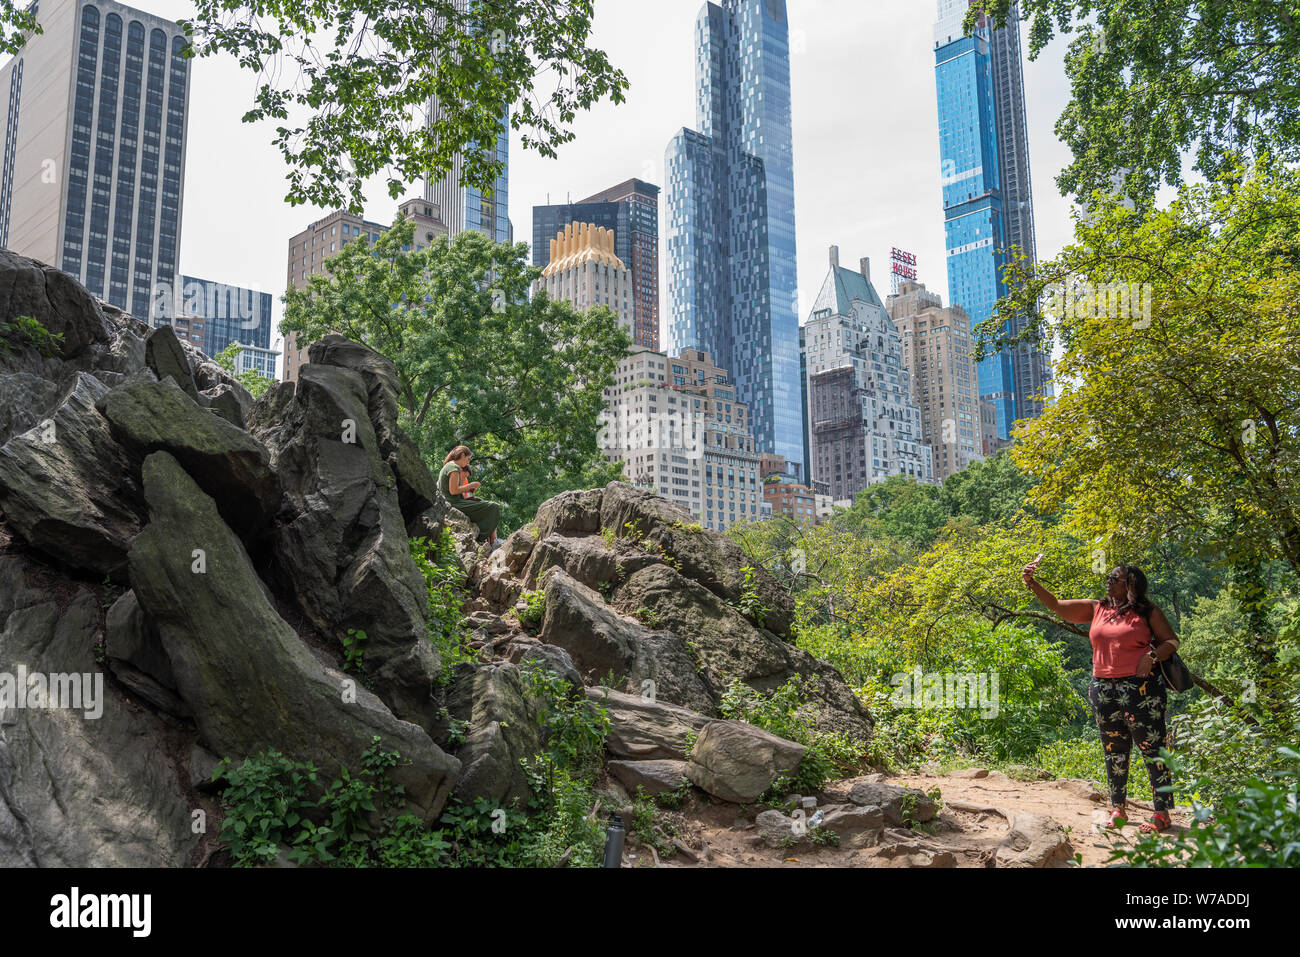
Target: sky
(866, 153)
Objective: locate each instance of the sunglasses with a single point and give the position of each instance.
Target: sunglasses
(1112, 577)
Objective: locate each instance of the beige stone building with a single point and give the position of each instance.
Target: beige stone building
(323, 239)
(676, 426)
(938, 353)
(585, 272)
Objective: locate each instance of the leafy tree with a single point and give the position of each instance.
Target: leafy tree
(480, 362)
(1184, 423)
(350, 83)
(993, 490)
(1154, 79)
(899, 507)
(251, 380)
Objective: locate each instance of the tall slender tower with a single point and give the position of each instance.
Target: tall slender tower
(987, 194)
(729, 232)
(94, 159)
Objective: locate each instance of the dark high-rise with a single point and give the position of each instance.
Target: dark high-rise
(631, 211)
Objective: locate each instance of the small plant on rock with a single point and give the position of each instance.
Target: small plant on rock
(534, 608)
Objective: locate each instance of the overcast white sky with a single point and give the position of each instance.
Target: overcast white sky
(865, 142)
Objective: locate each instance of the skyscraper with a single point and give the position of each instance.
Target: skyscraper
(987, 195)
(231, 313)
(94, 158)
(631, 211)
(729, 233)
(583, 270)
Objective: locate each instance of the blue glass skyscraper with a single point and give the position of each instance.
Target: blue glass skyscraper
(729, 233)
(987, 196)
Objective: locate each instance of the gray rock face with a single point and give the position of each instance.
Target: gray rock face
(228, 463)
(589, 560)
(69, 489)
(602, 641)
(652, 777)
(137, 658)
(738, 762)
(342, 550)
(55, 299)
(287, 699)
(727, 643)
(897, 804)
(504, 729)
(644, 730)
(1034, 841)
(75, 790)
(417, 488)
(164, 355)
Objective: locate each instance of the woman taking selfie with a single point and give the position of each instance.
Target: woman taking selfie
(1130, 637)
(460, 494)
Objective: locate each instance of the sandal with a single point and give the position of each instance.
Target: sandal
(1117, 818)
(1159, 822)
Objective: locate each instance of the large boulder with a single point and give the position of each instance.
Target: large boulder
(79, 787)
(256, 686)
(341, 549)
(228, 463)
(643, 729)
(738, 762)
(703, 555)
(728, 644)
(503, 730)
(69, 489)
(167, 359)
(54, 299)
(603, 642)
(417, 488)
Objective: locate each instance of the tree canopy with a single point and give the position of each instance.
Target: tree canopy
(1154, 79)
(480, 361)
(350, 83)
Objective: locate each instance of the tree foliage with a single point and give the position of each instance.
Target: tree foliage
(1154, 79)
(480, 361)
(1184, 423)
(350, 84)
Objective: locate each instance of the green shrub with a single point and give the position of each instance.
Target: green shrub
(1257, 827)
(534, 610)
(444, 585)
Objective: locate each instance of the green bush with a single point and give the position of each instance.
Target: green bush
(1258, 827)
(534, 610)
(444, 584)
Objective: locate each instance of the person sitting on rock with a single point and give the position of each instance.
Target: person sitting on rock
(460, 494)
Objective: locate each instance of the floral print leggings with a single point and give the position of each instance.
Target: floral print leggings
(1128, 710)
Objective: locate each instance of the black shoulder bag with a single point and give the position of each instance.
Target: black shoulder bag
(1176, 674)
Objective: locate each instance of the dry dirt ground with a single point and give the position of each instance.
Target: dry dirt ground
(975, 817)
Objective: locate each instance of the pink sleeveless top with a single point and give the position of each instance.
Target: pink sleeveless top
(1118, 644)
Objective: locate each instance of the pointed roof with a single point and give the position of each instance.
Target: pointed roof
(842, 286)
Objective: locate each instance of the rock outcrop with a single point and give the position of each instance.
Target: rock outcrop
(203, 560)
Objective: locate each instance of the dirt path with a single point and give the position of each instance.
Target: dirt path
(976, 816)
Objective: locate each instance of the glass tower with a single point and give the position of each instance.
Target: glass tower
(987, 195)
(729, 231)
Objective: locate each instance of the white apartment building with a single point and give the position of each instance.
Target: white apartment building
(676, 426)
(864, 424)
